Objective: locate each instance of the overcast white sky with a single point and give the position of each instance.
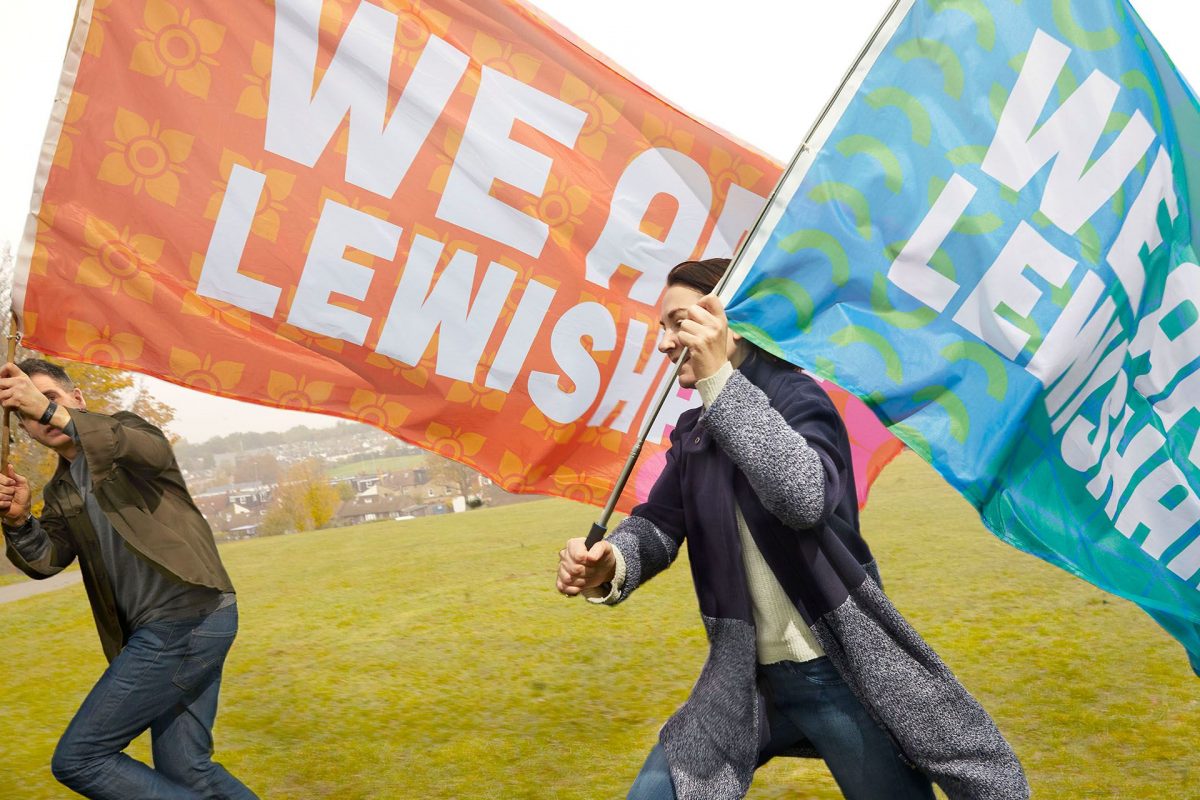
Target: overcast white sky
(721, 61)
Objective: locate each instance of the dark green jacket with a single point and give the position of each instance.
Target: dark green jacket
(139, 487)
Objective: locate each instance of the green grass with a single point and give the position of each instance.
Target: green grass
(433, 659)
(372, 466)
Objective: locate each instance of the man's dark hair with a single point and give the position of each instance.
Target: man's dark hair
(703, 276)
(40, 366)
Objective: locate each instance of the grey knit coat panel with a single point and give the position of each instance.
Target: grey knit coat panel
(647, 551)
(716, 730)
(712, 741)
(787, 474)
(912, 694)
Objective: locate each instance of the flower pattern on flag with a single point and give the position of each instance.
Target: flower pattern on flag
(516, 475)
(44, 242)
(453, 443)
(177, 47)
(203, 372)
(549, 430)
(727, 169)
(603, 112)
(252, 102)
(102, 345)
(146, 155)
(377, 409)
(193, 304)
(118, 260)
(276, 188)
(288, 391)
(417, 20)
(95, 39)
(170, 95)
(66, 141)
(503, 57)
(580, 485)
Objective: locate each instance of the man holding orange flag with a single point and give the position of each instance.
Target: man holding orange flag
(163, 603)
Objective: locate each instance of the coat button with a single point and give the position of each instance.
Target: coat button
(696, 440)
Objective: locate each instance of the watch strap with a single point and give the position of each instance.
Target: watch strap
(48, 414)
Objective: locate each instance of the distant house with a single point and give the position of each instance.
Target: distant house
(362, 483)
(241, 532)
(235, 522)
(373, 505)
(211, 504)
(251, 496)
(406, 478)
(234, 512)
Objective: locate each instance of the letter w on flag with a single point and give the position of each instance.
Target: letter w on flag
(447, 219)
(990, 240)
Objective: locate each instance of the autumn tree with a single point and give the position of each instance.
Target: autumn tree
(304, 501)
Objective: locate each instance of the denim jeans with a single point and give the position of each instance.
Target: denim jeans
(167, 679)
(808, 702)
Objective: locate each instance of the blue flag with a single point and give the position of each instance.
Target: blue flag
(990, 240)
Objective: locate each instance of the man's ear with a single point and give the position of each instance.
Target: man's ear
(78, 395)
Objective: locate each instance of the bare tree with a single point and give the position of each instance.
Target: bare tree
(448, 472)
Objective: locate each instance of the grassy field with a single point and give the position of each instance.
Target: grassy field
(433, 659)
(372, 466)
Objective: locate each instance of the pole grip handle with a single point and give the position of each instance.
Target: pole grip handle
(594, 535)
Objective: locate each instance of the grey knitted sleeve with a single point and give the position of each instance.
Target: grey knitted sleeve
(787, 474)
(647, 551)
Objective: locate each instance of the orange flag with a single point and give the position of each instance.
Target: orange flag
(451, 220)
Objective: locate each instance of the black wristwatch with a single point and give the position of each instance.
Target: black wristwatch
(48, 414)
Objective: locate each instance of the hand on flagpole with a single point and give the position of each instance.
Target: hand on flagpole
(705, 332)
(580, 568)
(14, 497)
(18, 392)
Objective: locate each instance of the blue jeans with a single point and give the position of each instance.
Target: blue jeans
(808, 702)
(166, 679)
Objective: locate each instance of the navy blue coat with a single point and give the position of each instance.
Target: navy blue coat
(773, 445)
(817, 567)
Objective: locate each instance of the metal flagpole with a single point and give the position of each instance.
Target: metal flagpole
(600, 526)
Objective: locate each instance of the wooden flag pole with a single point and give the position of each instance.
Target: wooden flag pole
(600, 526)
(6, 429)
